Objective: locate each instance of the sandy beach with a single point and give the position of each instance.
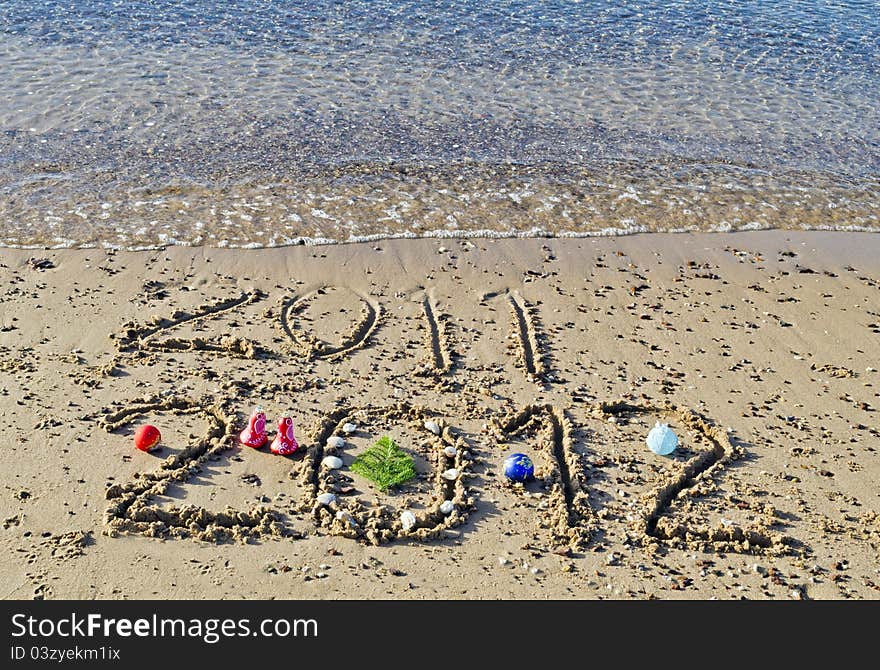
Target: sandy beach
(758, 348)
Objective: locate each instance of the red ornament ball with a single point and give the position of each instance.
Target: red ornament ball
(147, 437)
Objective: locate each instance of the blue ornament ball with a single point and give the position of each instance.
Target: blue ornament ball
(662, 440)
(519, 468)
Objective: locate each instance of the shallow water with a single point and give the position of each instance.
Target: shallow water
(265, 123)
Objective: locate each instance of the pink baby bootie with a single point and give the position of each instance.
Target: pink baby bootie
(284, 443)
(255, 434)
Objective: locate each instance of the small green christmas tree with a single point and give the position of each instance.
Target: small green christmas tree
(386, 464)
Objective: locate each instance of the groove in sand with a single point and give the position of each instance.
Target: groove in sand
(437, 339)
(380, 524)
(312, 348)
(652, 526)
(531, 358)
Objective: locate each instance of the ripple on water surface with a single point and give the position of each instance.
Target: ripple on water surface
(242, 124)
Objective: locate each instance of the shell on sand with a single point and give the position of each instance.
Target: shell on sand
(326, 498)
(407, 520)
(332, 462)
(450, 474)
(433, 426)
(450, 451)
(349, 428)
(335, 442)
(344, 515)
(447, 506)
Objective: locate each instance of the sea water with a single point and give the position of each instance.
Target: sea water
(259, 123)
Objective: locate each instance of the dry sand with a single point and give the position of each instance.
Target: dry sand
(760, 350)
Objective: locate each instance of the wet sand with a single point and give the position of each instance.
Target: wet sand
(758, 348)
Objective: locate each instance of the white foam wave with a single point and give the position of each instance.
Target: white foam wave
(532, 233)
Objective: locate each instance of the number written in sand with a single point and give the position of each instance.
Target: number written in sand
(569, 458)
(550, 435)
(131, 508)
(153, 335)
(665, 510)
(660, 509)
(437, 498)
(331, 310)
(437, 339)
(529, 342)
(328, 308)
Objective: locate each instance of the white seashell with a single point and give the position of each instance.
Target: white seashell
(326, 498)
(336, 442)
(332, 462)
(407, 520)
(447, 506)
(450, 451)
(349, 428)
(450, 474)
(343, 515)
(433, 426)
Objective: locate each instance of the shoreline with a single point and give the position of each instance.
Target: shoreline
(484, 235)
(525, 344)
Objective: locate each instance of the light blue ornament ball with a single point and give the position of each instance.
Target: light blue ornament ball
(519, 468)
(662, 440)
